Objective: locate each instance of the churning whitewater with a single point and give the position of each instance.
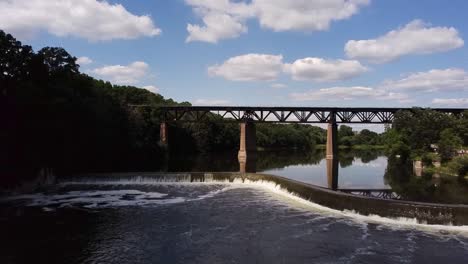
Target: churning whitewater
(146, 220)
(143, 191)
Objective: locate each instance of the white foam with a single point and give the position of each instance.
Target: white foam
(113, 198)
(392, 223)
(95, 198)
(107, 198)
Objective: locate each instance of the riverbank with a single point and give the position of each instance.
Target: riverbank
(430, 164)
(354, 147)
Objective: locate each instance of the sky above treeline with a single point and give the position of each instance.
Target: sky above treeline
(262, 52)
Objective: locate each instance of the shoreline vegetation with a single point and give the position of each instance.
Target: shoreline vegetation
(355, 147)
(57, 117)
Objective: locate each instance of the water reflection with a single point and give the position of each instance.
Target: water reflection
(356, 169)
(426, 187)
(364, 172)
(332, 173)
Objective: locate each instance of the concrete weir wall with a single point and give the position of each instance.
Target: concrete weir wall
(424, 212)
(430, 213)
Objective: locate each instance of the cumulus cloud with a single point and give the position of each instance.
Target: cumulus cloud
(90, 19)
(224, 19)
(151, 88)
(452, 102)
(217, 26)
(446, 80)
(264, 67)
(211, 102)
(348, 93)
(119, 74)
(312, 15)
(414, 38)
(451, 79)
(84, 61)
(322, 70)
(249, 67)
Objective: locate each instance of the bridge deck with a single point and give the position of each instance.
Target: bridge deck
(283, 114)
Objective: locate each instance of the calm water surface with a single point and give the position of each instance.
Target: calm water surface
(362, 170)
(146, 220)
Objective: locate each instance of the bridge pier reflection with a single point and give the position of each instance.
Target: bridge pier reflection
(247, 154)
(332, 173)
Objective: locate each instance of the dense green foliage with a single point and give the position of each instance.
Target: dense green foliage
(347, 137)
(429, 136)
(459, 165)
(57, 117)
(289, 136)
(413, 132)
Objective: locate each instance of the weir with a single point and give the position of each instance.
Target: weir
(341, 200)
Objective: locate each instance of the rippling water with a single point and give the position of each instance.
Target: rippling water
(143, 221)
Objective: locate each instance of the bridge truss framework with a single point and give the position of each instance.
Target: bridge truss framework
(197, 114)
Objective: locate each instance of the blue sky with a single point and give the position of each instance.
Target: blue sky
(289, 52)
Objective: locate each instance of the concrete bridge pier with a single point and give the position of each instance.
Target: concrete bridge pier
(332, 143)
(164, 133)
(247, 154)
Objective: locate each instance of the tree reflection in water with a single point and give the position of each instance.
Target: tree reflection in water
(398, 175)
(425, 188)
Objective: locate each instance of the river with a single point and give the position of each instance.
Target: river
(136, 219)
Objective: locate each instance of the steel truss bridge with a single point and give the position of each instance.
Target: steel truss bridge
(261, 114)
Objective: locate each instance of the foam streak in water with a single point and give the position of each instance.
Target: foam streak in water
(398, 223)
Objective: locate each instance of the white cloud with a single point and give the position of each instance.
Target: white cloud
(151, 88)
(321, 70)
(348, 93)
(119, 74)
(217, 26)
(414, 38)
(249, 67)
(84, 61)
(211, 102)
(224, 19)
(265, 67)
(453, 102)
(447, 80)
(90, 19)
(311, 15)
(452, 79)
